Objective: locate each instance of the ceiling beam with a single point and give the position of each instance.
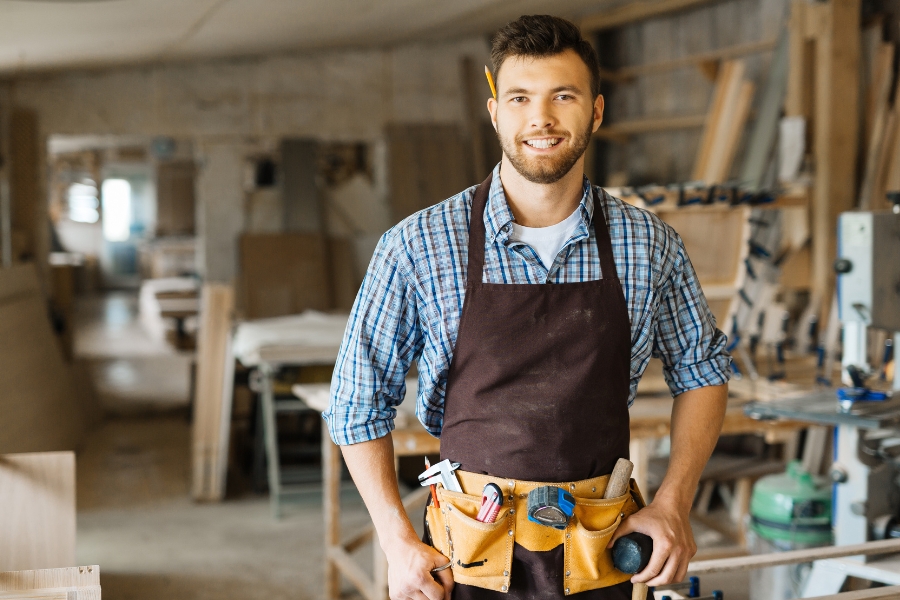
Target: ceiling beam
(639, 10)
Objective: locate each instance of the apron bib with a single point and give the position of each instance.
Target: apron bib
(538, 390)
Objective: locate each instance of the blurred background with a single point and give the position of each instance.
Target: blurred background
(191, 191)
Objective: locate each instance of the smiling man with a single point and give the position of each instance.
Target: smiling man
(531, 304)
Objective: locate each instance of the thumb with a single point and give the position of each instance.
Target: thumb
(624, 528)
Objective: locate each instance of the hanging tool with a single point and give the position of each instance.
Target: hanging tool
(442, 473)
(491, 501)
(434, 498)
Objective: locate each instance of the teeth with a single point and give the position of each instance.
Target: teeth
(542, 143)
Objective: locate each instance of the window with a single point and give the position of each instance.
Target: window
(83, 204)
(116, 210)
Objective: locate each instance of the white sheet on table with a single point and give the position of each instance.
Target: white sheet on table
(311, 328)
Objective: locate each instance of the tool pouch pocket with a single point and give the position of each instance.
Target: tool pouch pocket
(481, 553)
(588, 563)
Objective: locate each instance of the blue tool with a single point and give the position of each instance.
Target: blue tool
(551, 506)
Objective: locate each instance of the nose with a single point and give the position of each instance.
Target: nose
(542, 116)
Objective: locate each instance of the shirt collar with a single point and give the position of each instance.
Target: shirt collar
(498, 217)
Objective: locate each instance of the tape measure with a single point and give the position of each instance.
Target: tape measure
(550, 506)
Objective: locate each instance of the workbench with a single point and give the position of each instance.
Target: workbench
(650, 421)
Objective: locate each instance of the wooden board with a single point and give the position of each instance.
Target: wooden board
(70, 583)
(283, 274)
(175, 198)
(880, 126)
(212, 404)
(714, 240)
(427, 165)
(724, 123)
(39, 404)
(836, 28)
(37, 511)
(24, 181)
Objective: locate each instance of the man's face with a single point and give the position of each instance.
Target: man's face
(544, 114)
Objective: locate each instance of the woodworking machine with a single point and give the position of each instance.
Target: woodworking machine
(866, 469)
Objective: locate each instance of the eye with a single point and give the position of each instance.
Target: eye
(564, 97)
(518, 99)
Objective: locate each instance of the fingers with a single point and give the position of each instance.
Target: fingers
(431, 588)
(445, 579)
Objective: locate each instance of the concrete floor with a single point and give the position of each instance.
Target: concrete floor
(135, 519)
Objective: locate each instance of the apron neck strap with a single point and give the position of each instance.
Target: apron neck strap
(475, 268)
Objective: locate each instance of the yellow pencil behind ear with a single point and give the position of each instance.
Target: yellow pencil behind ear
(490, 78)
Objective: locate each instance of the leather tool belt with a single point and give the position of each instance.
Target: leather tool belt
(481, 553)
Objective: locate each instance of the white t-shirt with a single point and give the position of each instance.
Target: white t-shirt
(547, 241)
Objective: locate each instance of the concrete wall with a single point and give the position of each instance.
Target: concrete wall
(232, 108)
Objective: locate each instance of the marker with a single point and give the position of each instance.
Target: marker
(490, 78)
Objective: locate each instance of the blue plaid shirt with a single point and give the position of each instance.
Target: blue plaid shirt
(409, 305)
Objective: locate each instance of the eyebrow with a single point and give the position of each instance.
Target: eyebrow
(556, 90)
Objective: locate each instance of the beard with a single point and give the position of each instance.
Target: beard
(545, 169)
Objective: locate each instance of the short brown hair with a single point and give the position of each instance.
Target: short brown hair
(539, 36)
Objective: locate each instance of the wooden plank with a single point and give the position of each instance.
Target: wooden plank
(283, 274)
(473, 111)
(352, 571)
(714, 240)
(24, 181)
(212, 405)
(876, 135)
(892, 591)
(761, 145)
(331, 481)
(175, 198)
(892, 166)
(41, 411)
(729, 134)
(725, 96)
(427, 165)
(69, 583)
(798, 95)
(649, 124)
(37, 511)
(628, 74)
(836, 24)
(791, 557)
(637, 10)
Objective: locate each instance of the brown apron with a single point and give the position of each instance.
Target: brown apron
(538, 390)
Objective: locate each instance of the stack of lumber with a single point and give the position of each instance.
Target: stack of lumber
(215, 381)
(39, 402)
(71, 583)
(37, 511)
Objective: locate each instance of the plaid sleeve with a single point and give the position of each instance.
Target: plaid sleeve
(686, 339)
(379, 345)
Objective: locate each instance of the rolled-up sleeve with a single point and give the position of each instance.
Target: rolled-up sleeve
(379, 345)
(691, 348)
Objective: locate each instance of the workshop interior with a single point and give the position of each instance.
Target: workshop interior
(192, 191)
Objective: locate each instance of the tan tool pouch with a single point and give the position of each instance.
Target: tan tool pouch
(481, 553)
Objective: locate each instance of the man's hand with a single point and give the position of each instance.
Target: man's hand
(409, 572)
(673, 541)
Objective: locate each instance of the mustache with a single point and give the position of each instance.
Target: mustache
(542, 133)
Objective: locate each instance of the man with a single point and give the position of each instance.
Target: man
(531, 305)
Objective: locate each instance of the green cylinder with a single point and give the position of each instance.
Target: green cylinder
(793, 507)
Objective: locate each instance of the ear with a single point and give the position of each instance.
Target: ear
(598, 111)
(492, 109)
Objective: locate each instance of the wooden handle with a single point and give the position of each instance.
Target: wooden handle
(639, 591)
(619, 480)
